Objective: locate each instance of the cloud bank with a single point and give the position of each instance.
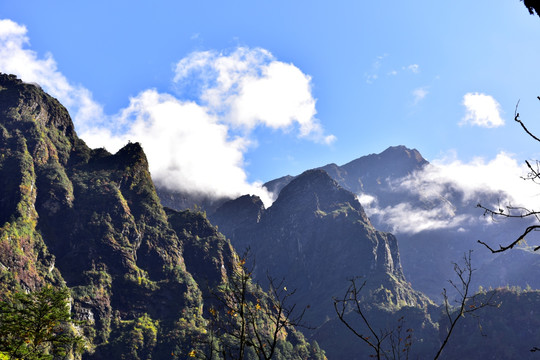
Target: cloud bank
(447, 191)
(481, 110)
(196, 139)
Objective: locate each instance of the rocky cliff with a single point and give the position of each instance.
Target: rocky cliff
(139, 275)
(316, 236)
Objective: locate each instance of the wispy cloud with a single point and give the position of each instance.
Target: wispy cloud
(377, 67)
(407, 219)
(195, 140)
(481, 110)
(419, 94)
(414, 68)
(373, 74)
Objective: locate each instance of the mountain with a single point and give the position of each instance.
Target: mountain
(367, 173)
(436, 221)
(317, 233)
(184, 200)
(506, 330)
(316, 236)
(149, 282)
(142, 278)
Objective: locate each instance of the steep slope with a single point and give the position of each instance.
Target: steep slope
(435, 220)
(316, 236)
(92, 220)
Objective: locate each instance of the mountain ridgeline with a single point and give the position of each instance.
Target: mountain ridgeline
(316, 235)
(150, 282)
(140, 276)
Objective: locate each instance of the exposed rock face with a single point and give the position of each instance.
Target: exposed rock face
(436, 221)
(85, 217)
(92, 220)
(248, 210)
(316, 236)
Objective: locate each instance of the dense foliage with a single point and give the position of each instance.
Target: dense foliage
(38, 325)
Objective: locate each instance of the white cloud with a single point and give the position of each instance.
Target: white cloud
(249, 87)
(197, 142)
(419, 94)
(481, 110)
(366, 200)
(404, 218)
(414, 68)
(187, 147)
(438, 184)
(501, 175)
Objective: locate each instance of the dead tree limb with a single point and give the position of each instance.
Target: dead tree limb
(510, 211)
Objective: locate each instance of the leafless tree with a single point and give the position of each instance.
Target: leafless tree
(246, 317)
(374, 338)
(509, 211)
(465, 305)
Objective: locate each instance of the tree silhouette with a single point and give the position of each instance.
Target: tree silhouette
(399, 344)
(247, 322)
(510, 211)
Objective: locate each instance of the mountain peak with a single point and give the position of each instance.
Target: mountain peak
(402, 151)
(316, 192)
(25, 102)
(132, 153)
(311, 184)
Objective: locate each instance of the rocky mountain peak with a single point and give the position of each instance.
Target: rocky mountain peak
(24, 102)
(314, 190)
(395, 162)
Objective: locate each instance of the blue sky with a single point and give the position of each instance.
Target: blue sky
(259, 89)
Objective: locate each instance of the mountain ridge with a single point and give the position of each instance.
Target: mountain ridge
(92, 221)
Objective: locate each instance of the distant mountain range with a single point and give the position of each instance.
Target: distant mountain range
(436, 223)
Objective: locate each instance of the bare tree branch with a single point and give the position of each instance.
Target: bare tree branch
(250, 317)
(516, 118)
(510, 211)
(466, 304)
(352, 296)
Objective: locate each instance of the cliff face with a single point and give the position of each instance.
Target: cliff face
(435, 219)
(84, 217)
(316, 236)
(92, 220)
